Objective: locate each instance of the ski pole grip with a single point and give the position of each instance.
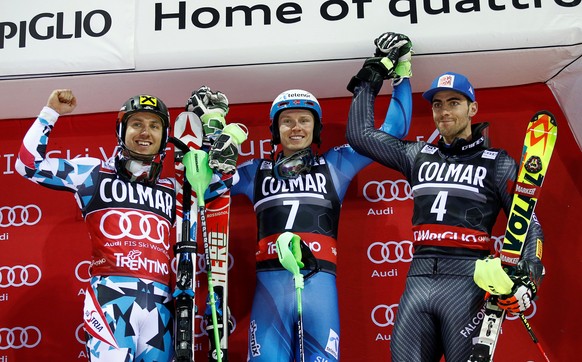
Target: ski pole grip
(238, 134)
(198, 173)
(286, 256)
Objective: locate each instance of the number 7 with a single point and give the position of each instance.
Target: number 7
(292, 214)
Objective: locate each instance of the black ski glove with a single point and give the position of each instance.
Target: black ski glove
(389, 48)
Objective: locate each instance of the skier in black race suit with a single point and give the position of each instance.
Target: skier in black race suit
(459, 186)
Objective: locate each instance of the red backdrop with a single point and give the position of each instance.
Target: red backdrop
(44, 246)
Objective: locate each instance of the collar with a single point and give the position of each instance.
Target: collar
(478, 141)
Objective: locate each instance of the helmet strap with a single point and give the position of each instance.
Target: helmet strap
(144, 168)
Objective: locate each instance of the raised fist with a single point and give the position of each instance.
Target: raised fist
(62, 101)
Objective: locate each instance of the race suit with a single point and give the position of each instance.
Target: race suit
(128, 309)
(458, 191)
(308, 206)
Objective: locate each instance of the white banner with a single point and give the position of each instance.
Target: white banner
(254, 49)
(45, 38)
(39, 37)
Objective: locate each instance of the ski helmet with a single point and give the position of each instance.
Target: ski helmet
(143, 103)
(295, 98)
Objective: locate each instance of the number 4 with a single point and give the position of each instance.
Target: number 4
(439, 205)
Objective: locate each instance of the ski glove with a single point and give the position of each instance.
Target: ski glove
(529, 275)
(490, 276)
(211, 107)
(223, 153)
(394, 46)
(374, 71)
(204, 101)
(398, 48)
(390, 48)
(521, 296)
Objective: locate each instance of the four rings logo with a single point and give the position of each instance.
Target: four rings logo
(200, 328)
(202, 263)
(390, 252)
(19, 215)
(384, 315)
(497, 242)
(82, 271)
(530, 312)
(19, 337)
(387, 190)
(116, 224)
(19, 275)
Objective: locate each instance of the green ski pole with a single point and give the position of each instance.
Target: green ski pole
(289, 252)
(199, 175)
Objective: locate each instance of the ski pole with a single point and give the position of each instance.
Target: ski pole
(185, 250)
(533, 336)
(289, 252)
(199, 175)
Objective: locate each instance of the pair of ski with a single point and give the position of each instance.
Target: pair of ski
(538, 146)
(193, 174)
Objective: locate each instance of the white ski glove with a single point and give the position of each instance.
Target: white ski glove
(211, 107)
(205, 101)
(391, 44)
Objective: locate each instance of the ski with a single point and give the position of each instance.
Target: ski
(187, 136)
(537, 151)
(218, 218)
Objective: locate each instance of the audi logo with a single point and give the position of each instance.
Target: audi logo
(498, 243)
(384, 315)
(80, 333)
(201, 262)
(19, 275)
(532, 311)
(387, 190)
(117, 224)
(204, 323)
(19, 337)
(82, 271)
(390, 252)
(19, 215)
